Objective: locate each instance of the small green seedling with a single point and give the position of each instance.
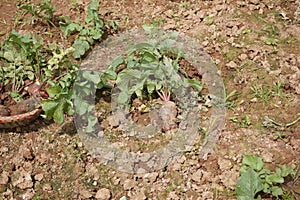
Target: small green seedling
(43, 10)
(243, 122)
(256, 180)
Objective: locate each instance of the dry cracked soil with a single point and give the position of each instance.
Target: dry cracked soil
(256, 47)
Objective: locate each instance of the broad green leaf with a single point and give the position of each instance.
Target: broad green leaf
(91, 76)
(71, 28)
(274, 178)
(54, 91)
(150, 87)
(82, 106)
(116, 62)
(253, 161)
(96, 34)
(149, 57)
(123, 98)
(80, 46)
(58, 114)
(248, 185)
(92, 10)
(142, 46)
(92, 121)
(276, 191)
(286, 170)
(48, 107)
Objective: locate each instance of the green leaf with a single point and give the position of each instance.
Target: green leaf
(150, 87)
(194, 83)
(123, 98)
(82, 106)
(80, 46)
(96, 34)
(54, 91)
(274, 178)
(286, 170)
(58, 114)
(71, 28)
(116, 62)
(276, 191)
(248, 185)
(48, 107)
(253, 161)
(92, 11)
(92, 76)
(92, 121)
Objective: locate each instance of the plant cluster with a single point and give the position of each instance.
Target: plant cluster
(42, 11)
(149, 69)
(256, 180)
(26, 59)
(88, 32)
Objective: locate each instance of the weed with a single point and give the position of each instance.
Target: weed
(230, 99)
(209, 19)
(280, 135)
(278, 90)
(43, 10)
(246, 31)
(270, 41)
(256, 180)
(89, 32)
(243, 122)
(264, 93)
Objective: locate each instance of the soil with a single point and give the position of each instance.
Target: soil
(48, 161)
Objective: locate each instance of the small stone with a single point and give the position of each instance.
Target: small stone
(112, 121)
(229, 178)
(139, 196)
(243, 56)
(254, 2)
(176, 166)
(85, 194)
(103, 194)
(47, 187)
(28, 154)
(205, 43)
(181, 160)
(4, 178)
(38, 177)
(3, 150)
(197, 176)
(151, 177)
(224, 164)
(22, 179)
(206, 176)
(128, 184)
(267, 157)
(232, 65)
(172, 195)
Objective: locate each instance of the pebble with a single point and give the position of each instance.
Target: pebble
(232, 65)
(224, 164)
(103, 194)
(197, 176)
(4, 178)
(139, 196)
(129, 184)
(85, 194)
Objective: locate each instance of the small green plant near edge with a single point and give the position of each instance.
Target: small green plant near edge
(89, 31)
(256, 180)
